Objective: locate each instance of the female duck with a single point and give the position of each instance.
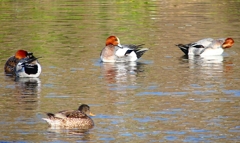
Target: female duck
(207, 46)
(77, 118)
(23, 64)
(115, 52)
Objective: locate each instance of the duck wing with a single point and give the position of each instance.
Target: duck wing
(76, 114)
(28, 61)
(197, 45)
(204, 42)
(133, 47)
(138, 49)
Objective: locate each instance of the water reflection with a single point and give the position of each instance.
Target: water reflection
(27, 89)
(207, 73)
(19, 106)
(208, 62)
(202, 69)
(73, 131)
(57, 134)
(121, 76)
(68, 34)
(121, 72)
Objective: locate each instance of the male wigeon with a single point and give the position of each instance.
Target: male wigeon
(207, 46)
(22, 64)
(115, 52)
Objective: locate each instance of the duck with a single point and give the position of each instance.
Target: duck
(207, 47)
(23, 64)
(115, 52)
(72, 118)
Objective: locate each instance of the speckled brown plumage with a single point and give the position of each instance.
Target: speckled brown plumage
(10, 65)
(73, 118)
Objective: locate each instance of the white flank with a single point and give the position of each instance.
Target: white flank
(20, 71)
(212, 52)
(195, 51)
(132, 57)
(121, 52)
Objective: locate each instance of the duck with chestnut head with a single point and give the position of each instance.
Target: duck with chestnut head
(23, 64)
(115, 52)
(207, 47)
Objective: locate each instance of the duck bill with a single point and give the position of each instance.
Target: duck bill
(91, 114)
(120, 46)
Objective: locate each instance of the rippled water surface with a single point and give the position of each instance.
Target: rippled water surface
(161, 98)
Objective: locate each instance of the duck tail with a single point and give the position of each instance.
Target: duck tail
(184, 48)
(46, 119)
(50, 115)
(140, 52)
(140, 45)
(52, 122)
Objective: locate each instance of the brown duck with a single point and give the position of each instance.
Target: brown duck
(73, 118)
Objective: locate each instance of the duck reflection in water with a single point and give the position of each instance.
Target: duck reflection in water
(120, 75)
(205, 61)
(70, 131)
(81, 134)
(208, 65)
(28, 89)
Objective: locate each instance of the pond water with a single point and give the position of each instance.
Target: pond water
(162, 97)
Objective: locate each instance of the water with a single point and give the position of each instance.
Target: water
(163, 97)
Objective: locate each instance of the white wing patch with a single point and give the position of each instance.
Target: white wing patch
(121, 52)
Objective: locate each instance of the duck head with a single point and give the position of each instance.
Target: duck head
(228, 43)
(85, 109)
(21, 54)
(113, 40)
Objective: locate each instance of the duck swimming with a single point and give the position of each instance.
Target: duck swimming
(207, 47)
(73, 118)
(115, 52)
(23, 64)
